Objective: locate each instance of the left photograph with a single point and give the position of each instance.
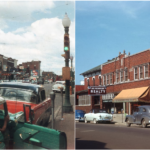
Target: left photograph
(37, 75)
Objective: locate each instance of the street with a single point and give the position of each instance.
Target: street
(111, 136)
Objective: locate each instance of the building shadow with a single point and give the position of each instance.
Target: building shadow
(86, 144)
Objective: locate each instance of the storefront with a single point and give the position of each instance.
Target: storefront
(131, 98)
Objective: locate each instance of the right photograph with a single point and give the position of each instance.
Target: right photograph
(112, 85)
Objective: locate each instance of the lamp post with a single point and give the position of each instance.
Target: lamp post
(67, 106)
(71, 58)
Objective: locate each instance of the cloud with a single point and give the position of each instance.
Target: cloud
(42, 40)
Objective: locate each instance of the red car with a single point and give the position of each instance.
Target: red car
(17, 94)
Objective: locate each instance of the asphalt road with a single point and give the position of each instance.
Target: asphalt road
(111, 136)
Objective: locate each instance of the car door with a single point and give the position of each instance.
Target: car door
(135, 114)
(29, 136)
(141, 113)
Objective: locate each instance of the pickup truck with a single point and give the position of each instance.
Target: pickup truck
(24, 135)
(141, 116)
(16, 94)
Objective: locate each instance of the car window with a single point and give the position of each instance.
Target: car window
(43, 95)
(80, 111)
(143, 110)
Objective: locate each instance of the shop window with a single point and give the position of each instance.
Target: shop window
(84, 100)
(135, 73)
(96, 100)
(110, 78)
(121, 76)
(141, 71)
(126, 75)
(107, 80)
(146, 71)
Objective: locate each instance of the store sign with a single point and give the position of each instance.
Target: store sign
(21, 67)
(96, 90)
(34, 73)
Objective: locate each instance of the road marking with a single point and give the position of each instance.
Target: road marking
(87, 130)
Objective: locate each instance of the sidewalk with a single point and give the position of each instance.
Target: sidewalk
(66, 125)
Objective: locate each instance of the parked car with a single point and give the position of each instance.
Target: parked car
(141, 116)
(16, 94)
(24, 135)
(79, 115)
(25, 81)
(57, 86)
(98, 115)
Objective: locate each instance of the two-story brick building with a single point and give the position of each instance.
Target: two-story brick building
(127, 78)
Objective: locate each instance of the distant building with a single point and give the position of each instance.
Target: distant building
(8, 66)
(49, 76)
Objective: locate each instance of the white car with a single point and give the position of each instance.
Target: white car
(56, 87)
(98, 115)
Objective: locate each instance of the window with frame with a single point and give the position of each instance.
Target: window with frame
(94, 81)
(84, 100)
(110, 78)
(135, 73)
(99, 80)
(126, 74)
(146, 71)
(121, 76)
(141, 71)
(104, 79)
(107, 81)
(117, 77)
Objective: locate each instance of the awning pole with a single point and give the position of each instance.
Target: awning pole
(129, 109)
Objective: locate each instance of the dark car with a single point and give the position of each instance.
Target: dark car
(40, 81)
(17, 94)
(141, 116)
(79, 115)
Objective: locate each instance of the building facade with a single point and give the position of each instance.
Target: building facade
(124, 72)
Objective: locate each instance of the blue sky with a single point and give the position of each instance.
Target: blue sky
(33, 30)
(103, 29)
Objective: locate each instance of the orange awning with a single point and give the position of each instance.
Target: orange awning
(133, 95)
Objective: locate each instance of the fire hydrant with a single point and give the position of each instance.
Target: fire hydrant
(70, 90)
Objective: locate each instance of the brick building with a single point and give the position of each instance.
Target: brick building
(31, 67)
(127, 78)
(49, 75)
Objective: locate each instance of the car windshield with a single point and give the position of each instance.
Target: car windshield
(17, 94)
(99, 111)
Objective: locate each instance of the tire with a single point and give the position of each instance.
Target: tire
(128, 124)
(94, 121)
(144, 125)
(85, 120)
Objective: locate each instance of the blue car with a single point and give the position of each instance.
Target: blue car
(79, 115)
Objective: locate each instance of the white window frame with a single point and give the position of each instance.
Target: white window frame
(126, 70)
(121, 76)
(145, 71)
(140, 72)
(134, 73)
(107, 79)
(110, 79)
(117, 76)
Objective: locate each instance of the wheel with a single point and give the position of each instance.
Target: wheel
(94, 121)
(128, 124)
(85, 120)
(144, 125)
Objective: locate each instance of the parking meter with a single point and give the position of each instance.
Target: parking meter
(52, 96)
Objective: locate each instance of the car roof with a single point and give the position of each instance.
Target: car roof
(145, 106)
(27, 86)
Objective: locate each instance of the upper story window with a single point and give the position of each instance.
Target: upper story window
(141, 72)
(94, 81)
(117, 76)
(107, 80)
(100, 80)
(104, 80)
(135, 73)
(110, 78)
(88, 82)
(126, 74)
(146, 71)
(121, 76)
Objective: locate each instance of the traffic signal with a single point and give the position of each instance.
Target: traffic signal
(66, 43)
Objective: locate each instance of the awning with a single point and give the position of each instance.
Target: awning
(133, 95)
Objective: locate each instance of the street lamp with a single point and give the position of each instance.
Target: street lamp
(71, 58)
(66, 23)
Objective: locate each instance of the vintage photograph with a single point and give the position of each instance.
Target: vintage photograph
(37, 74)
(112, 75)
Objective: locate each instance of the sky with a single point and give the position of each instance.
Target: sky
(34, 31)
(105, 28)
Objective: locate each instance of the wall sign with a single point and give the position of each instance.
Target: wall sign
(96, 90)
